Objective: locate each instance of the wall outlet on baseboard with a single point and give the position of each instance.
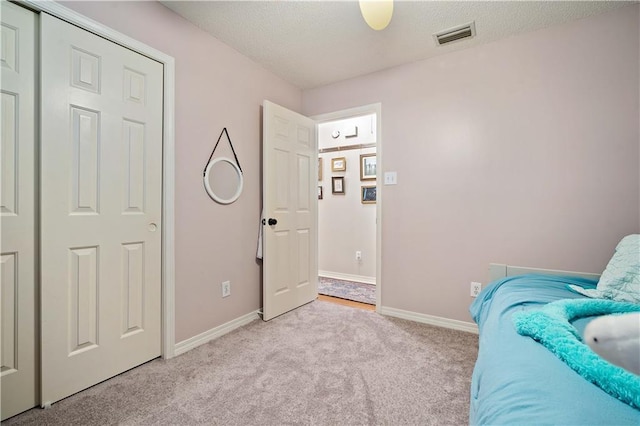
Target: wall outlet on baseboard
(226, 289)
(475, 289)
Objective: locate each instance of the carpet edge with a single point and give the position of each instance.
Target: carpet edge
(214, 333)
(468, 327)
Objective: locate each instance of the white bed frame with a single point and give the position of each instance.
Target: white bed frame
(498, 271)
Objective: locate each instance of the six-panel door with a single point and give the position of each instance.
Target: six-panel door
(17, 210)
(290, 267)
(101, 186)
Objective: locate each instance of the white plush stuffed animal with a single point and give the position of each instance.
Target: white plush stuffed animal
(616, 338)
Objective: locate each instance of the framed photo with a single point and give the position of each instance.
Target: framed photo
(319, 169)
(337, 185)
(368, 195)
(368, 166)
(352, 134)
(319, 192)
(338, 164)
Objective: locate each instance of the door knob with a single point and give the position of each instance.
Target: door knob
(152, 227)
(272, 221)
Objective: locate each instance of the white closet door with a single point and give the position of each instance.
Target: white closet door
(17, 210)
(101, 177)
(290, 174)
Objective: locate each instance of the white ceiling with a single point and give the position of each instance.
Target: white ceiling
(313, 43)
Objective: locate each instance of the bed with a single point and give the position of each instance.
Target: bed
(516, 380)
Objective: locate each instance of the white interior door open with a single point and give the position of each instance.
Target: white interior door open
(290, 265)
(101, 194)
(18, 373)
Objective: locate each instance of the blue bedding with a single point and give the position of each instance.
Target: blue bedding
(517, 380)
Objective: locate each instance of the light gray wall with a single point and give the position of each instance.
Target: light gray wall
(524, 151)
(216, 87)
(344, 223)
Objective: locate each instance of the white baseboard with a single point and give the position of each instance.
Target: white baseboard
(214, 333)
(469, 327)
(347, 277)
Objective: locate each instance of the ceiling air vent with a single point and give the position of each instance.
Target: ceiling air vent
(457, 33)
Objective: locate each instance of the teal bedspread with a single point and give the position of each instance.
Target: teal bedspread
(517, 380)
(551, 326)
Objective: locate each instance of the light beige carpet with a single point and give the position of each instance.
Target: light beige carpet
(322, 364)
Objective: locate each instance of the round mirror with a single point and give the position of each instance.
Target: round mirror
(223, 180)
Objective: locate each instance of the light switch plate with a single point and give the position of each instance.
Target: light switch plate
(390, 178)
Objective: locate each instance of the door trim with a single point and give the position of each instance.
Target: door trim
(168, 147)
(355, 112)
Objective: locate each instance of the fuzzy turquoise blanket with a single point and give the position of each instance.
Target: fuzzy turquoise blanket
(552, 327)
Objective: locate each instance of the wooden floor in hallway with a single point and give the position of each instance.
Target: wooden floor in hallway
(345, 302)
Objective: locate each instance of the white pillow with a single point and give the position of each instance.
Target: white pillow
(621, 278)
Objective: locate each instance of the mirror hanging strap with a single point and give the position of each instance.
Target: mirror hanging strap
(224, 132)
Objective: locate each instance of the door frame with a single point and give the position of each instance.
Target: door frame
(356, 112)
(168, 147)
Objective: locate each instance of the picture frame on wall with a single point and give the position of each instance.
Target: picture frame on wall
(338, 164)
(368, 166)
(319, 192)
(337, 185)
(319, 169)
(368, 194)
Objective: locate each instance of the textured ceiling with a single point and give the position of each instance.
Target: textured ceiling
(313, 43)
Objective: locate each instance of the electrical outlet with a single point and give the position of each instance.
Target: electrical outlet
(226, 289)
(475, 289)
(358, 255)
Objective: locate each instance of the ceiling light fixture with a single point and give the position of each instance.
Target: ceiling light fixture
(377, 13)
